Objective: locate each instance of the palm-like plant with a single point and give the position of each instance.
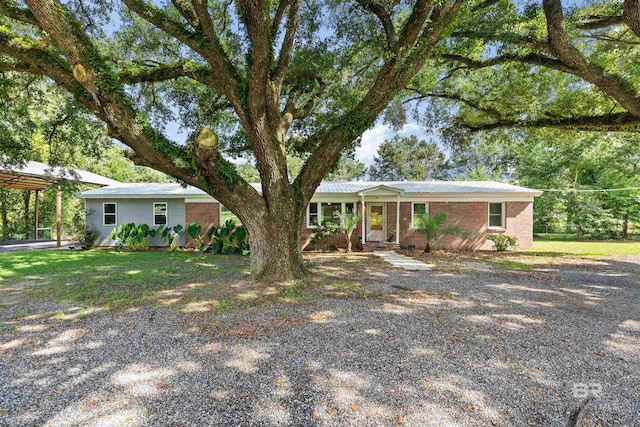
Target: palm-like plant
(348, 223)
(432, 227)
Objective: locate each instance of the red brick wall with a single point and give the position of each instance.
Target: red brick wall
(520, 222)
(472, 216)
(205, 214)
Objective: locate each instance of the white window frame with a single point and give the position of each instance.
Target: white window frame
(426, 210)
(502, 216)
(104, 223)
(166, 213)
(343, 207)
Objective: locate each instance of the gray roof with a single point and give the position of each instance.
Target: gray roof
(350, 187)
(36, 175)
(422, 187)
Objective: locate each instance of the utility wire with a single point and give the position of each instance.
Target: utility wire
(575, 190)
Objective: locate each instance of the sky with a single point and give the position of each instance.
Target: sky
(373, 137)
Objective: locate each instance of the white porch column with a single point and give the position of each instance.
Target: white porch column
(397, 219)
(363, 213)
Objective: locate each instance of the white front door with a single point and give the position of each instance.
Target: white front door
(376, 222)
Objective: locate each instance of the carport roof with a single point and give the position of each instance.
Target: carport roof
(38, 176)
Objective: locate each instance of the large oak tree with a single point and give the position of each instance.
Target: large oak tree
(268, 77)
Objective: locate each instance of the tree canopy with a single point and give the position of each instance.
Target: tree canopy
(408, 159)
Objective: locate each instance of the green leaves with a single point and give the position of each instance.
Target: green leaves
(432, 226)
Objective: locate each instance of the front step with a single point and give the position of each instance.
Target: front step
(379, 246)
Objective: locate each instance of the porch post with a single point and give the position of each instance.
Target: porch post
(58, 215)
(397, 219)
(363, 213)
(35, 218)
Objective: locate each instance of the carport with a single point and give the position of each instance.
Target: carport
(36, 176)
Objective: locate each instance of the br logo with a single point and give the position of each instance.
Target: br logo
(583, 390)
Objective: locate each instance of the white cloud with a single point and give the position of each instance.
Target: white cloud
(372, 138)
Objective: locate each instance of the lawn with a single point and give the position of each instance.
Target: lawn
(553, 245)
(189, 280)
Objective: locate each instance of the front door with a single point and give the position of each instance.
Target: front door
(375, 228)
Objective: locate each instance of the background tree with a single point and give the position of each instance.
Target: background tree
(407, 159)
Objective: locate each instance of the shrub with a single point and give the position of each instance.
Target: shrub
(85, 240)
(325, 230)
(503, 242)
(228, 239)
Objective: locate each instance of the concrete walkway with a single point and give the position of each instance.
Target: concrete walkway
(402, 261)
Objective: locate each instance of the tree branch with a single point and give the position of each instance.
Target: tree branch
(393, 75)
(510, 38)
(287, 44)
(483, 5)
(19, 67)
(185, 10)
(252, 16)
(387, 24)
(9, 9)
(414, 25)
(227, 81)
(275, 23)
(616, 122)
(598, 22)
(163, 72)
(455, 97)
(612, 84)
(631, 15)
(530, 58)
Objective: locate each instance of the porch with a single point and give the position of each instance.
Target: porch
(378, 205)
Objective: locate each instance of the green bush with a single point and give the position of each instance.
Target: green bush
(503, 241)
(227, 239)
(85, 240)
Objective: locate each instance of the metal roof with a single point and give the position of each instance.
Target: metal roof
(424, 187)
(38, 176)
(350, 187)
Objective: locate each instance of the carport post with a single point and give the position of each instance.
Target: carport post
(58, 215)
(35, 218)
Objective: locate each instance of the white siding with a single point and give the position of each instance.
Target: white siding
(136, 211)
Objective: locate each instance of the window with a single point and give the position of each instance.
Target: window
(319, 213)
(313, 215)
(226, 214)
(109, 213)
(417, 209)
(496, 215)
(160, 213)
(328, 210)
(350, 208)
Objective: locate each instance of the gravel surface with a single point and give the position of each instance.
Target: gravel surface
(480, 348)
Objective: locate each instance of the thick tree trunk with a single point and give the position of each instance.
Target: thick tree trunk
(625, 226)
(275, 244)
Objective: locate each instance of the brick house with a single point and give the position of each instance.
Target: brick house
(390, 208)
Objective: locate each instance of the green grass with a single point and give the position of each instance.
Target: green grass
(508, 264)
(105, 277)
(586, 248)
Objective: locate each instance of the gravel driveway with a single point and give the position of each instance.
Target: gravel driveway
(484, 347)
